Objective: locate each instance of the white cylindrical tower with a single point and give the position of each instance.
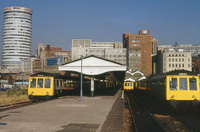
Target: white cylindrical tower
(17, 32)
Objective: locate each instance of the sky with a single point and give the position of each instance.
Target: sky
(57, 22)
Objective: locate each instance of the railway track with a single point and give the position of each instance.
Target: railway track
(142, 119)
(14, 105)
(169, 121)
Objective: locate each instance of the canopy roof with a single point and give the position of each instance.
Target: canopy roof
(92, 65)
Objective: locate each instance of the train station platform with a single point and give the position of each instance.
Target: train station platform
(67, 114)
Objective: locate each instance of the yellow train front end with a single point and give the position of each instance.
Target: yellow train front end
(182, 89)
(128, 85)
(40, 87)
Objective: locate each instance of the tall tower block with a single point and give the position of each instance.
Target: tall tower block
(17, 31)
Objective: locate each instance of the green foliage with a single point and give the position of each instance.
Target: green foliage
(17, 92)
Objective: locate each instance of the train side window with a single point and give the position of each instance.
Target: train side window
(40, 83)
(173, 83)
(183, 83)
(47, 83)
(33, 83)
(193, 83)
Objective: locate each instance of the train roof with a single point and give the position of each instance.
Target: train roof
(44, 74)
(180, 72)
(175, 72)
(55, 75)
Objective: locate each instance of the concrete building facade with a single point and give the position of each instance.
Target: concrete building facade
(154, 46)
(169, 61)
(17, 31)
(194, 50)
(27, 65)
(109, 50)
(139, 51)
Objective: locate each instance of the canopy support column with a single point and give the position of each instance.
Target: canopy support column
(92, 86)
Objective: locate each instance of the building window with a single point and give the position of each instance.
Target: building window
(169, 65)
(182, 59)
(182, 65)
(179, 59)
(176, 59)
(169, 59)
(176, 65)
(172, 59)
(172, 65)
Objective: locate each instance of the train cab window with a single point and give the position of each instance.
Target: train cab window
(40, 83)
(183, 83)
(193, 83)
(173, 83)
(33, 83)
(125, 84)
(47, 83)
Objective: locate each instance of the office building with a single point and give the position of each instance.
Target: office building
(109, 50)
(194, 50)
(17, 31)
(154, 46)
(169, 61)
(139, 51)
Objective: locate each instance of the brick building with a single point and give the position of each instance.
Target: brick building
(45, 52)
(139, 51)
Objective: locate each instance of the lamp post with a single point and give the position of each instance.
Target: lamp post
(81, 90)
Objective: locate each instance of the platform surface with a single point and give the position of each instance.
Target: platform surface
(66, 114)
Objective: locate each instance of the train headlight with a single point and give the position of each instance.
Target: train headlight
(47, 93)
(32, 92)
(193, 96)
(172, 96)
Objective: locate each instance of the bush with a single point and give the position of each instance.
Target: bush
(17, 92)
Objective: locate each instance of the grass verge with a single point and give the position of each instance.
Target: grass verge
(13, 96)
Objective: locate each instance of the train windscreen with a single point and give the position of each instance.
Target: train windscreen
(47, 83)
(33, 83)
(183, 83)
(193, 83)
(173, 83)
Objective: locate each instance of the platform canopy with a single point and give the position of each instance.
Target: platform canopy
(92, 66)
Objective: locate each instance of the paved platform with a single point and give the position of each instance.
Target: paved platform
(67, 114)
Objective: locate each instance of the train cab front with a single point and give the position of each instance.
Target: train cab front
(40, 88)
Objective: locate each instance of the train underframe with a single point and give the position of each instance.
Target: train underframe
(184, 103)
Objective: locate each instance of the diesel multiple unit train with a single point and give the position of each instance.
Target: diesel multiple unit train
(46, 85)
(178, 87)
